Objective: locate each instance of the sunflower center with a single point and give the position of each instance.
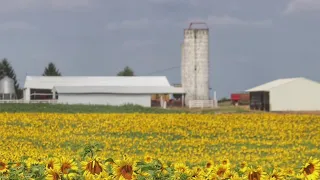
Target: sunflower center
(209, 165)
(2, 165)
(126, 171)
(181, 169)
(195, 174)
(309, 169)
(254, 176)
(50, 165)
(290, 171)
(224, 162)
(96, 169)
(55, 176)
(65, 168)
(275, 176)
(221, 172)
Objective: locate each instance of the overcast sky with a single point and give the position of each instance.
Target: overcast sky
(251, 41)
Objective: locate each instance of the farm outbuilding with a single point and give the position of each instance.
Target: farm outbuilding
(112, 90)
(112, 95)
(290, 94)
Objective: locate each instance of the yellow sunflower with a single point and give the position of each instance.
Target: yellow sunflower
(68, 168)
(3, 166)
(243, 167)
(52, 163)
(124, 169)
(225, 163)
(164, 166)
(231, 174)
(52, 174)
(221, 170)
(93, 168)
(276, 175)
(256, 174)
(209, 165)
(148, 159)
(181, 168)
(311, 170)
(212, 176)
(289, 172)
(196, 173)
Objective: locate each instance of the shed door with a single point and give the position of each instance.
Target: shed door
(259, 101)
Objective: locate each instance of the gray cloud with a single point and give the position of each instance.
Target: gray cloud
(211, 21)
(17, 5)
(9, 6)
(137, 24)
(134, 44)
(226, 20)
(16, 25)
(129, 24)
(67, 4)
(302, 5)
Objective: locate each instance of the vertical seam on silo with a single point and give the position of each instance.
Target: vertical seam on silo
(195, 64)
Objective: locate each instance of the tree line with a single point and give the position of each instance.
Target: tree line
(51, 70)
(6, 69)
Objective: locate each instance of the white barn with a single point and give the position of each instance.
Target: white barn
(106, 90)
(291, 94)
(111, 95)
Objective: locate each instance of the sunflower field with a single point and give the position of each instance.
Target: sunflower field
(159, 146)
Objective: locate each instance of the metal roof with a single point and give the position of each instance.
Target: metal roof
(48, 82)
(272, 84)
(119, 89)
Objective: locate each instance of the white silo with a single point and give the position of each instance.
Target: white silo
(7, 90)
(195, 63)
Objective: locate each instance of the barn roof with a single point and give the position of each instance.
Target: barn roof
(119, 89)
(48, 82)
(272, 84)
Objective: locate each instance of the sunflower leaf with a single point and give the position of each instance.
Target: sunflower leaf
(148, 168)
(110, 160)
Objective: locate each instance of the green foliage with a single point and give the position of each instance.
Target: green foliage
(177, 96)
(51, 70)
(62, 108)
(223, 99)
(2, 73)
(129, 108)
(91, 150)
(36, 171)
(127, 71)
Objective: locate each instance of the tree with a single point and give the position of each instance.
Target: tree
(177, 96)
(7, 70)
(51, 70)
(224, 99)
(127, 71)
(2, 74)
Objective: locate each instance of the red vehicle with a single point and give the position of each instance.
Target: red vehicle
(240, 99)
